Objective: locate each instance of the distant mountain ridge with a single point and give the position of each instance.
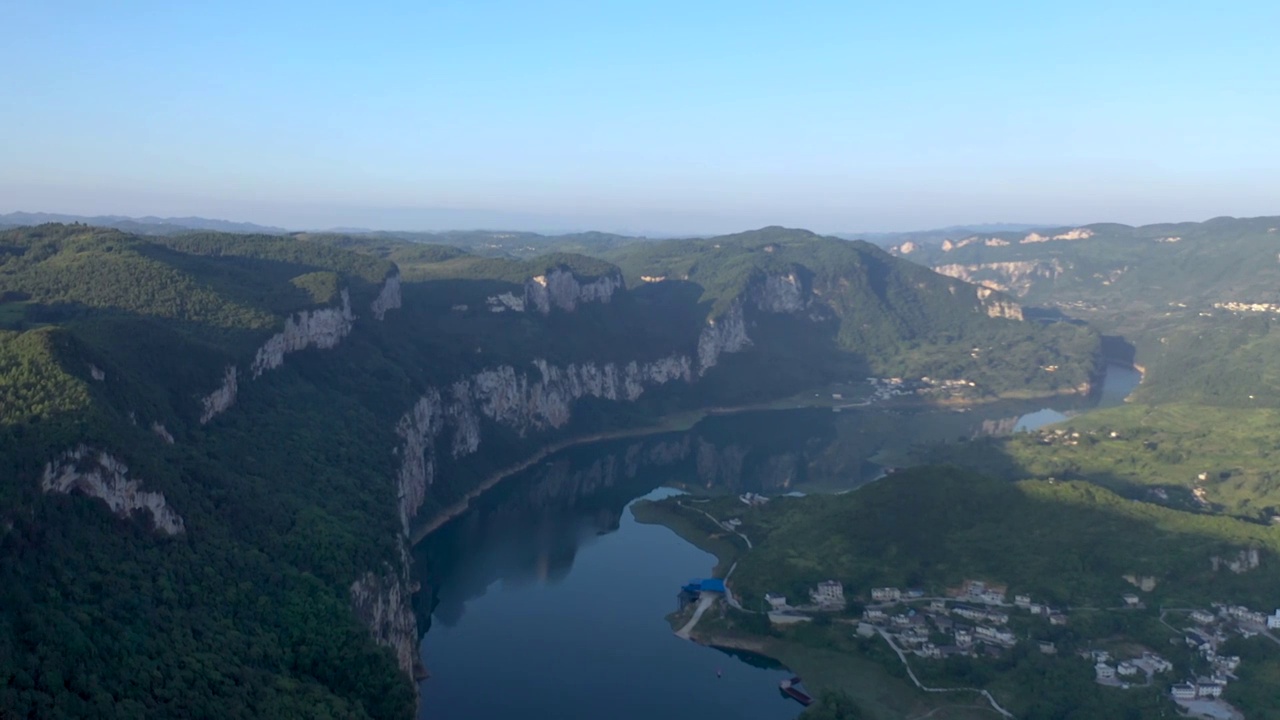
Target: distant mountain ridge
(149, 225)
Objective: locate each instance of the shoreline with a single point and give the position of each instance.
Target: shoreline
(660, 426)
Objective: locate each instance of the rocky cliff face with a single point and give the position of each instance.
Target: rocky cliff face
(1015, 277)
(322, 329)
(724, 334)
(997, 305)
(389, 297)
(562, 290)
(102, 476)
(382, 601)
(781, 294)
(224, 397)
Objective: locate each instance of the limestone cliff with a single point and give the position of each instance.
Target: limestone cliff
(99, 475)
(389, 297)
(224, 397)
(322, 328)
(382, 601)
(561, 289)
(1016, 277)
(724, 334)
(998, 305)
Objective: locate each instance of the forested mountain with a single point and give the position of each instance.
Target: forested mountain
(149, 225)
(214, 447)
(1197, 299)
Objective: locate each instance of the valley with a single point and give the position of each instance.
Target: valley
(317, 414)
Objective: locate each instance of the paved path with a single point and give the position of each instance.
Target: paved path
(704, 601)
(911, 673)
(728, 592)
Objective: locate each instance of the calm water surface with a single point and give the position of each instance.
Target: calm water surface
(550, 598)
(565, 622)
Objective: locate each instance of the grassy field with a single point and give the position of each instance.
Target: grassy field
(1164, 448)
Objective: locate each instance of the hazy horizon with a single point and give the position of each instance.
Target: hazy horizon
(656, 119)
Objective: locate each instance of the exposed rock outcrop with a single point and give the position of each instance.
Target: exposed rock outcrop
(1014, 277)
(322, 329)
(96, 373)
(102, 476)
(222, 398)
(162, 432)
(382, 601)
(724, 334)
(998, 305)
(562, 290)
(504, 302)
(781, 294)
(389, 297)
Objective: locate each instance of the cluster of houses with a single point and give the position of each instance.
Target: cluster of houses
(827, 596)
(1120, 673)
(1212, 628)
(891, 387)
(1059, 436)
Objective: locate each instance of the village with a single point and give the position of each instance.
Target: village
(973, 620)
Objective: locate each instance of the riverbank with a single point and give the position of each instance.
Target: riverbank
(684, 420)
(881, 695)
(695, 529)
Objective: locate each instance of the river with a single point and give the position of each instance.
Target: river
(549, 598)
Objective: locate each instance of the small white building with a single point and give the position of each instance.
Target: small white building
(874, 615)
(1126, 669)
(1183, 691)
(886, 594)
(1104, 671)
(1273, 621)
(1131, 600)
(1201, 617)
(1209, 689)
(1057, 619)
(777, 602)
(828, 593)
(1022, 601)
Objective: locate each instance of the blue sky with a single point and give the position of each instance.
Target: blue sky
(646, 116)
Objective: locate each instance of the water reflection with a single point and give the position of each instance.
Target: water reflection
(547, 579)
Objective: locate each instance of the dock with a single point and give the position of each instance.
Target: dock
(791, 689)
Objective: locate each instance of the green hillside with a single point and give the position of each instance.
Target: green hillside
(249, 501)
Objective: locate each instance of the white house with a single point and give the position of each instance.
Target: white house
(1183, 691)
(828, 593)
(1202, 617)
(1131, 600)
(1104, 671)
(1126, 668)
(777, 602)
(1209, 689)
(886, 594)
(1273, 621)
(1022, 601)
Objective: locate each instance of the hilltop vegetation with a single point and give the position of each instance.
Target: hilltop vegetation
(1158, 454)
(1065, 542)
(113, 341)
